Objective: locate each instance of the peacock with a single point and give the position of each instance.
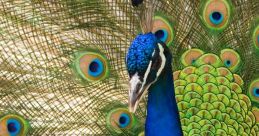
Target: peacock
(129, 68)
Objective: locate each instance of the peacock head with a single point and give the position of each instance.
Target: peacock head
(146, 60)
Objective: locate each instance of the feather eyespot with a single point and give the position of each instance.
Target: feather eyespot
(91, 66)
(124, 120)
(190, 56)
(163, 30)
(231, 59)
(95, 67)
(119, 119)
(13, 125)
(253, 92)
(216, 14)
(216, 17)
(227, 63)
(256, 37)
(256, 92)
(162, 35)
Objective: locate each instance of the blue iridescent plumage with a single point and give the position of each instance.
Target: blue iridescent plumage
(124, 120)
(162, 35)
(216, 18)
(140, 52)
(256, 92)
(227, 63)
(96, 68)
(13, 127)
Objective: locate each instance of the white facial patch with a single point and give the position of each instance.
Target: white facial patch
(163, 59)
(134, 81)
(147, 71)
(162, 55)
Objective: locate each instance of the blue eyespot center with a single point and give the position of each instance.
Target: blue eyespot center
(228, 63)
(162, 35)
(124, 120)
(216, 15)
(216, 18)
(136, 2)
(256, 92)
(95, 68)
(13, 126)
(193, 61)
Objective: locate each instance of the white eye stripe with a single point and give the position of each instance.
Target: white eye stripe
(148, 70)
(162, 55)
(163, 61)
(134, 81)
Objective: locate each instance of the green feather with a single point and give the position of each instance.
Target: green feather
(214, 29)
(215, 95)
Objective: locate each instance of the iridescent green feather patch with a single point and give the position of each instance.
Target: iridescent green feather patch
(216, 14)
(163, 29)
(209, 95)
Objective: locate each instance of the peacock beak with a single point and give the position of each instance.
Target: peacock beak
(137, 90)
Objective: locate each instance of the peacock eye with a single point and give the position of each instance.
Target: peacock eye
(190, 56)
(120, 118)
(163, 30)
(216, 14)
(91, 66)
(231, 59)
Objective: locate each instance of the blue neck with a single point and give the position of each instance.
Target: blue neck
(162, 113)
